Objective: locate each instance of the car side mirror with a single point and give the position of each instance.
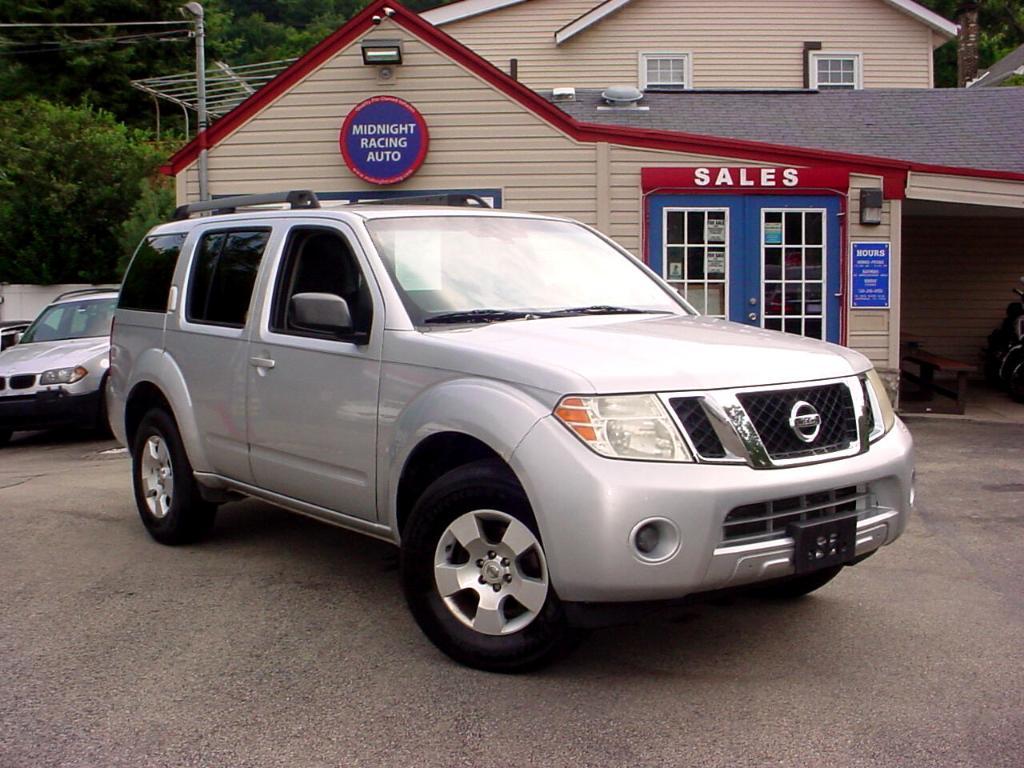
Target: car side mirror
(324, 312)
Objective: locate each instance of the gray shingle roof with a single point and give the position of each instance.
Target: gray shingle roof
(981, 128)
(1002, 70)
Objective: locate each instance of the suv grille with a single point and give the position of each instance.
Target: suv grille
(698, 426)
(24, 381)
(770, 412)
(768, 519)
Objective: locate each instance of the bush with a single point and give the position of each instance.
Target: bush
(69, 181)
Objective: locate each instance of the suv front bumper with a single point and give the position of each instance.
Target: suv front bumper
(588, 507)
(49, 408)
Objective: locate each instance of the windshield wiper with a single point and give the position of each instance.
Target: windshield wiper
(480, 316)
(601, 309)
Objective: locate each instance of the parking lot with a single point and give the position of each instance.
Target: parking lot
(285, 642)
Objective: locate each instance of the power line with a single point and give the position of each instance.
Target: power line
(7, 48)
(26, 25)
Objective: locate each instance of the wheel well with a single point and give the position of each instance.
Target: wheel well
(143, 398)
(430, 459)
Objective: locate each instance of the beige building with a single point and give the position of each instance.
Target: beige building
(803, 211)
(695, 44)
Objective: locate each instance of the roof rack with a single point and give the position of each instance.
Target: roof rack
(461, 199)
(83, 292)
(297, 198)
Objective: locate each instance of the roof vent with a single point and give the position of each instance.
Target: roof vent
(563, 94)
(622, 95)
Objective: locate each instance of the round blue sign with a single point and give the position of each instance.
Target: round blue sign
(384, 140)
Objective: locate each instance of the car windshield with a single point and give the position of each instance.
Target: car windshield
(72, 320)
(492, 268)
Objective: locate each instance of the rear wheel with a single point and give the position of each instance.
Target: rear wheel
(797, 586)
(166, 492)
(475, 574)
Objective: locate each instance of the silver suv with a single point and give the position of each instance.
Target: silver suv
(548, 432)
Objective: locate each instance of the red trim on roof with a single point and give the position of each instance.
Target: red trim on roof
(584, 132)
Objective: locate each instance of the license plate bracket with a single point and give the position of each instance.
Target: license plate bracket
(823, 543)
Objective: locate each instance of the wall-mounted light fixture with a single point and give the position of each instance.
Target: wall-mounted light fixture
(871, 206)
(382, 52)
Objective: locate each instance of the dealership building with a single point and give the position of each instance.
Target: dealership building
(785, 165)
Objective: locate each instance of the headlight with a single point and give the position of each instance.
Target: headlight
(624, 427)
(63, 375)
(881, 406)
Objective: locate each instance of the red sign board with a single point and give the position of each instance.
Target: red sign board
(745, 178)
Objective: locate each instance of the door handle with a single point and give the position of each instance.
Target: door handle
(752, 316)
(261, 362)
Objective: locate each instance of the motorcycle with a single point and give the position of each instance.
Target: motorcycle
(1004, 355)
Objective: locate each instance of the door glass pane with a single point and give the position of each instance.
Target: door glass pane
(794, 287)
(696, 257)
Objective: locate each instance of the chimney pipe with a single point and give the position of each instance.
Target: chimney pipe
(967, 43)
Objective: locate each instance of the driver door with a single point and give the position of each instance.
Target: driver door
(312, 398)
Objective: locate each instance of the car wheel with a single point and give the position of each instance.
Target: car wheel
(797, 586)
(166, 492)
(102, 426)
(475, 574)
(5, 436)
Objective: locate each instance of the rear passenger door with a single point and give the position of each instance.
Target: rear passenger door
(207, 339)
(313, 395)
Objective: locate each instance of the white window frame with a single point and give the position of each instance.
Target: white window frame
(803, 282)
(687, 58)
(858, 67)
(682, 286)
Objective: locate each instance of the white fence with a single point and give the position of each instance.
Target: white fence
(24, 302)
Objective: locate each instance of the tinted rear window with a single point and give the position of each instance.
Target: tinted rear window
(148, 280)
(223, 276)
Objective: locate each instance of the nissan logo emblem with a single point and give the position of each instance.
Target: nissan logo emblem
(805, 421)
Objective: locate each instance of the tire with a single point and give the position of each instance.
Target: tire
(473, 531)
(1015, 385)
(102, 426)
(796, 587)
(5, 437)
(166, 492)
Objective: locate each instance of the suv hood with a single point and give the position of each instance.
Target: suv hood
(641, 353)
(44, 355)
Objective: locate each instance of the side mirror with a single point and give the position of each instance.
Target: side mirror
(325, 312)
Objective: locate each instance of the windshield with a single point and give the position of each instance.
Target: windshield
(484, 269)
(72, 320)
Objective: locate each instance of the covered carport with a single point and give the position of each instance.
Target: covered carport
(963, 252)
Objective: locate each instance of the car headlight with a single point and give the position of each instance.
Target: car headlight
(624, 427)
(881, 406)
(63, 375)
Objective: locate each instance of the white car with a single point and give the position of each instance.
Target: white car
(54, 376)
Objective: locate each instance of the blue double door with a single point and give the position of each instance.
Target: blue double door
(770, 261)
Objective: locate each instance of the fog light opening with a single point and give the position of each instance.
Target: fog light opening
(655, 540)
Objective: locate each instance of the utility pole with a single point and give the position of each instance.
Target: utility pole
(196, 11)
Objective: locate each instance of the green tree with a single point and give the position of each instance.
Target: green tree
(69, 178)
(154, 205)
(1001, 24)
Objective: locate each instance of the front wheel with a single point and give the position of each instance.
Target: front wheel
(166, 492)
(475, 574)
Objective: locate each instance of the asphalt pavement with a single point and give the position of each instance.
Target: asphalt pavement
(284, 642)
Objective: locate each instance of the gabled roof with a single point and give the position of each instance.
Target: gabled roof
(464, 9)
(582, 131)
(1011, 64)
(980, 128)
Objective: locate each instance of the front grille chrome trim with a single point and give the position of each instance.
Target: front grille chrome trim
(739, 437)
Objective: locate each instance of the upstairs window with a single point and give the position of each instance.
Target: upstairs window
(836, 71)
(665, 70)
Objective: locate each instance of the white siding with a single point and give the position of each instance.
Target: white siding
(734, 43)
